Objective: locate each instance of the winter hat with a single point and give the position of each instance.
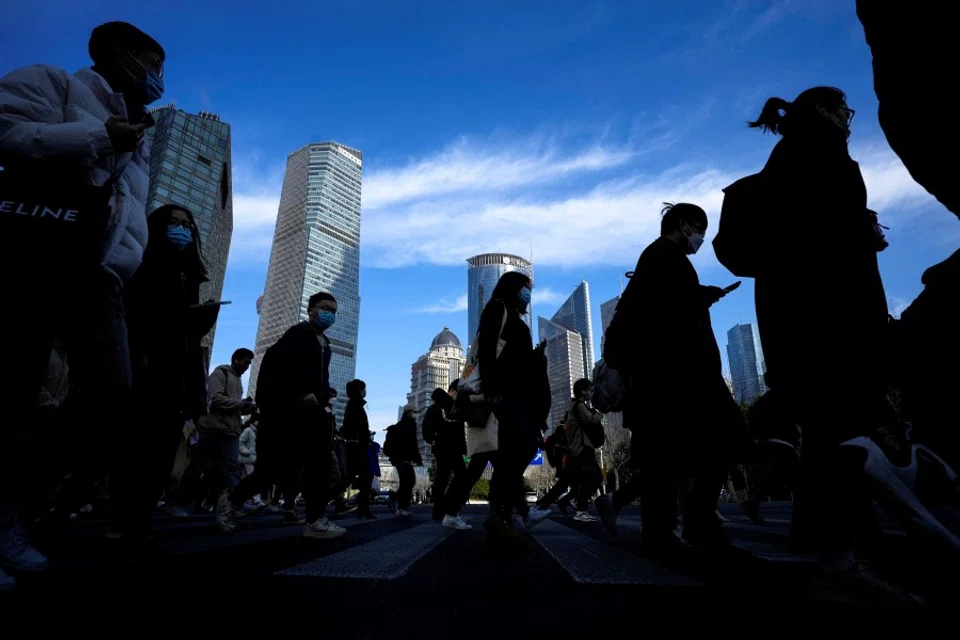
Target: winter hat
(410, 407)
(108, 37)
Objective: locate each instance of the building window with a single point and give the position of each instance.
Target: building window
(224, 186)
(204, 160)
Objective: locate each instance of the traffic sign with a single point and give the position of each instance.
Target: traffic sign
(537, 459)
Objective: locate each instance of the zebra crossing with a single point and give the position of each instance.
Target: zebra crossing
(584, 552)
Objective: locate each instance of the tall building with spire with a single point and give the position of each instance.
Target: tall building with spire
(316, 247)
(574, 315)
(564, 352)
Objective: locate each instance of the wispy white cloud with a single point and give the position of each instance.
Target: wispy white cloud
(597, 225)
(468, 199)
(467, 166)
(446, 306)
(546, 295)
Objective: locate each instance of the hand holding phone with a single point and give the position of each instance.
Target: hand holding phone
(733, 287)
(209, 303)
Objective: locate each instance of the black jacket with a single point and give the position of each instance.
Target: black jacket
(449, 435)
(293, 368)
(165, 334)
(519, 375)
(402, 439)
(822, 250)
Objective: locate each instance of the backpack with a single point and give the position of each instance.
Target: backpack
(429, 428)
(389, 443)
(609, 388)
(739, 237)
(267, 383)
(595, 433)
(554, 447)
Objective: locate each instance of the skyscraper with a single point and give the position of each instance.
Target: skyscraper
(612, 420)
(483, 272)
(437, 368)
(564, 354)
(574, 315)
(190, 166)
(316, 247)
(607, 309)
(746, 363)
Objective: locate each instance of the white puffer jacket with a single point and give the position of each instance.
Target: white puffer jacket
(47, 113)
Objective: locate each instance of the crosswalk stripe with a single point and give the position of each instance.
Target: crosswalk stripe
(386, 558)
(241, 536)
(772, 548)
(591, 562)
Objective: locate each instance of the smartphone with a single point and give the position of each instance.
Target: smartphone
(733, 287)
(209, 304)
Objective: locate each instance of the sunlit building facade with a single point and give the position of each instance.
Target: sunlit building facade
(483, 273)
(574, 315)
(316, 247)
(437, 368)
(564, 352)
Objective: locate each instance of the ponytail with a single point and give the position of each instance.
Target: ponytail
(770, 118)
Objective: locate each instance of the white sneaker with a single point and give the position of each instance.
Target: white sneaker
(16, 553)
(583, 516)
(323, 529)
(6, 581)
(403, 513)
(455, 522)
(904, 493)
(225, 514)
(536, 516)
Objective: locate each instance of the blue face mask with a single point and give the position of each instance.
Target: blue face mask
(179, 236)
(152, 87)
(325, 319)
(524, 296)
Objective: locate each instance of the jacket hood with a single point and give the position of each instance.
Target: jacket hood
(441, 397)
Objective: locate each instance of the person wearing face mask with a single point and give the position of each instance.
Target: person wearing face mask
(166, 325)
(295, 440)
(62, 136)
(679, 408)
(810, 179)
(514, 381)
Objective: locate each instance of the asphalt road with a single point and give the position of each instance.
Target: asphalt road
(403, 578)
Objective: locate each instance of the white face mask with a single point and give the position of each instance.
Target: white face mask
(695, 240)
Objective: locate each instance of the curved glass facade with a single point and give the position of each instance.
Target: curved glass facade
(483, 272)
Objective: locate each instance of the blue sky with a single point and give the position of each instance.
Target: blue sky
(497, 125)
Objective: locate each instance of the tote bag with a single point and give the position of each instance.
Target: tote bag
(482, 425)
(51, 228)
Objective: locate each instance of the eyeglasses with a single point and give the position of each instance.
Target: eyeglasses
(149, 61)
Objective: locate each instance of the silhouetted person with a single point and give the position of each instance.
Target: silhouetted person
(810, 177)
(356, 435)
(166, 323)
(915, 60)
(61, 136)
(679, 408)
(401, 448)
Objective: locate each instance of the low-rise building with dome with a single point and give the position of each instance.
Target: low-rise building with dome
(440, 366)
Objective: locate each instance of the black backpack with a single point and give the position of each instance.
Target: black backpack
(595, 433)
(739, 240)
(429, 429)
(389, 443)
(267, 382)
